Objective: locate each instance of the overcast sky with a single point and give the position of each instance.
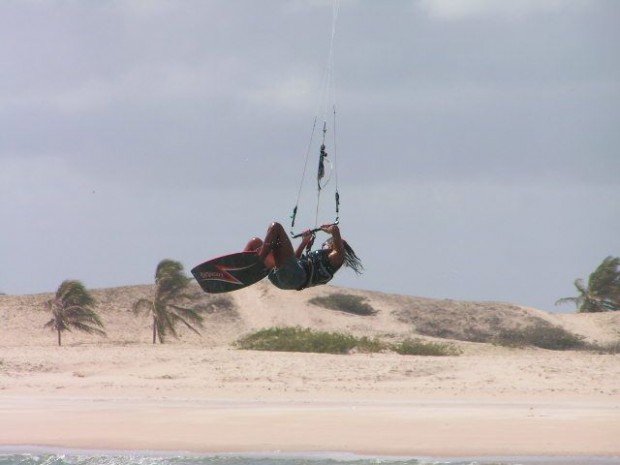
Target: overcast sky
(478, 140)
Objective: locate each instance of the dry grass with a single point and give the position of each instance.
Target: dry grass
(347, 303)
(464, 321)
(543, 335)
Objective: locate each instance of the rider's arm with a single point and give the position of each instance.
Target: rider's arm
(307, 239)
(336, 256)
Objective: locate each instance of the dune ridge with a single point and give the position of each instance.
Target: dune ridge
(262, 306)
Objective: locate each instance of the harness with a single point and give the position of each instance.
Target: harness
(318, 268)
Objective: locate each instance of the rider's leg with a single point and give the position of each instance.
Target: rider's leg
(254, 245)
(278, 244)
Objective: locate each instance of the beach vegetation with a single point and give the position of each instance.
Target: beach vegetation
(420, 347)
(602, 292)
(296, 339)
(460, 320)
(347, 303)
(73, 307)
(543, 335)
(368, 345)
(611, 348)
(491, 323)
(172, 302)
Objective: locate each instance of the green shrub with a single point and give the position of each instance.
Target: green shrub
(306, 340)
(545, 336)
(371, 346)
(348, 303)
(419, 347)
(298, 340)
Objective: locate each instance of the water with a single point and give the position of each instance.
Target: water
(143, 458)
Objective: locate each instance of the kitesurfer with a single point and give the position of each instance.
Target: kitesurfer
(292, 269)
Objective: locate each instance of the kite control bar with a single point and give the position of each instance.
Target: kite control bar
(312, 231)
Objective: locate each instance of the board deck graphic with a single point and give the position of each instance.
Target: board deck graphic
(230, 272)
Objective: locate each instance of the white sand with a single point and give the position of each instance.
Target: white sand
(200, 394)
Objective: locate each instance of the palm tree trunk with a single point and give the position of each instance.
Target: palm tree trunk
(154, 331)
(59, 333)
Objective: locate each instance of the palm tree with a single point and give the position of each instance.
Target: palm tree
(171, 287)
(602, 293)
(73, 308)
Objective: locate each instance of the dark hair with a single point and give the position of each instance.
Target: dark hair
(351, 259)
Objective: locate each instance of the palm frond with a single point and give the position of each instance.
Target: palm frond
(189, 313)
(171, 290)
(170, 280)
(165, 325)
(142, 306)
(73, 308)
(81, 315)
(609, 305)
(606, 275)
(178, 318)
(73, 292)
(568, 300)
(86, 328)
(581, 287)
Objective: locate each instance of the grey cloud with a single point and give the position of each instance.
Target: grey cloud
(141, 122)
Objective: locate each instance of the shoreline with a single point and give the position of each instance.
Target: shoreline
(402, 429)
(340, 457)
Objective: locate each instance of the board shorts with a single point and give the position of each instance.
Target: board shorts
(291, 275)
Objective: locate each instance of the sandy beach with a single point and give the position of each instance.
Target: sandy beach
(201, 394)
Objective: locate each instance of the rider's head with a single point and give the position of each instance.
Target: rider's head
(350, 257)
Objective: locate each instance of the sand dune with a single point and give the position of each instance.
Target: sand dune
(263, 306)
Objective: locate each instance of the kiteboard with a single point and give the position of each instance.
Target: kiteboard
(230, 272)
